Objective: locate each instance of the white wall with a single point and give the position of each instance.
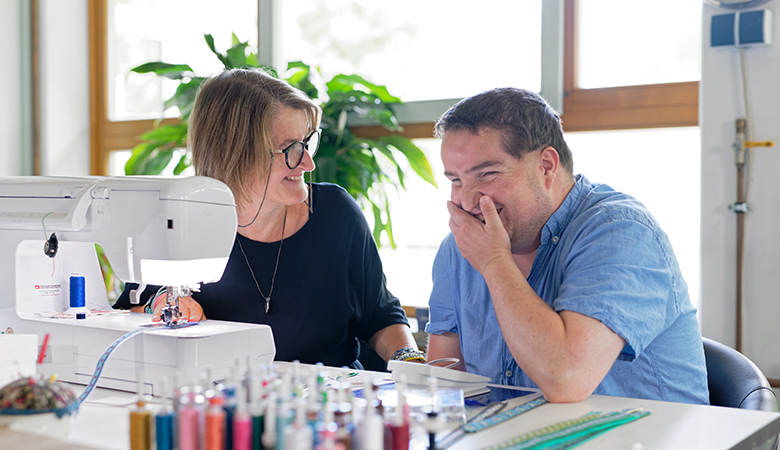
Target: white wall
(721, 103)
(13, 139)
(64, 87)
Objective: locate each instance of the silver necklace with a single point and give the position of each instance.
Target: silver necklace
(273, 278)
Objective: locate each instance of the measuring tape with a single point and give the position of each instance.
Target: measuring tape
(473, 427)
(102, 361)
(571, 432)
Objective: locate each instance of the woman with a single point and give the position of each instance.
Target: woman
(304, 260)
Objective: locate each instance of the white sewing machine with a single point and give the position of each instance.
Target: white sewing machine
(175, 232)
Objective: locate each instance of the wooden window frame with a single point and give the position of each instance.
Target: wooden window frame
(627, 107)
(620, 108)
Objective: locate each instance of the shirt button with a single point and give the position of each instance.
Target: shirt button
(508, 373)
(555, 238)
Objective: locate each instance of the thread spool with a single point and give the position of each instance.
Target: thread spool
(164, 431)
(140, 420)
(77, 288)
(188, 426)
(215, 422)
(242, 422)
(163, 421)
(140, 430)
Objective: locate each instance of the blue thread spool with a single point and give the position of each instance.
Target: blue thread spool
(164, 435)
(77, 287)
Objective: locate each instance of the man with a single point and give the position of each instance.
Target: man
(548, 280)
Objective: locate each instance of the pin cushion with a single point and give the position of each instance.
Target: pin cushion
(38, 405)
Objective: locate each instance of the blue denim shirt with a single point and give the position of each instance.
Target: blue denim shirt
(602, 254)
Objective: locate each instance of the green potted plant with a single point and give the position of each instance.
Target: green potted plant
(366, 168)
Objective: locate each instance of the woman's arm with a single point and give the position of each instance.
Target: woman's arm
(392, 338)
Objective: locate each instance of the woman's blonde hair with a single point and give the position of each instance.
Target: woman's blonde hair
(230, 125)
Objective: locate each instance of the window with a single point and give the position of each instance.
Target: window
(140, 31)
(435, 49)
(619, 106)
(127, 33)
(457, 49)
(624, 43)
(492, 63)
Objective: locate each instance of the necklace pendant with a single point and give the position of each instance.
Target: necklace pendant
(267, 304)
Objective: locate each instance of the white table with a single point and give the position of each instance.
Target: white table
(669, 425)
(103, 423)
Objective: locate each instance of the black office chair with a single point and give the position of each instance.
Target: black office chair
(735, 381)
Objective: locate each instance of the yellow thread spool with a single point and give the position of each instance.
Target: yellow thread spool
(140, 421)
(140, 428)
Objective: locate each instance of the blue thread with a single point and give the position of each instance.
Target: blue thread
(164, 431)
(77, 287)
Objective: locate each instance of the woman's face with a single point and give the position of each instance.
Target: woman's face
(286, 186)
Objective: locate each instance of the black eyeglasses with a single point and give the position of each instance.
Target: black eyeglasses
(293, 155)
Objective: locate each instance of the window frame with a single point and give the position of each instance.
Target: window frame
(625, 107)
(665, 105)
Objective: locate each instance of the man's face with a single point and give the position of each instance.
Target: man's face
(478, 165)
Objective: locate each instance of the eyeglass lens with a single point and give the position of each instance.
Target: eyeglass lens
(294, 155)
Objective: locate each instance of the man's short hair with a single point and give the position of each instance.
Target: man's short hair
(524, 119)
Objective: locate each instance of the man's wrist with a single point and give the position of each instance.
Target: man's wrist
(497, 263)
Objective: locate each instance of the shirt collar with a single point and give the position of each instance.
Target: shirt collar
(563, 215)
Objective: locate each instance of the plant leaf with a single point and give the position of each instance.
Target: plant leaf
(363, 105)
(172, 71)
(167, 133)
(301, 77)
(343, 83)
(222, 58)
(158, 162)
(416, 157)
(184, 162)
(389, 224)
(236, 55)
(184, 96)
(378, 225)
(387, 151)
(386, 118)
(134, 165)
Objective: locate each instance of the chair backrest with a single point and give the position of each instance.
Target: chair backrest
(735, 381)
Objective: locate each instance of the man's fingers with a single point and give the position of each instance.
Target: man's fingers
(456, 213)
(489, 213)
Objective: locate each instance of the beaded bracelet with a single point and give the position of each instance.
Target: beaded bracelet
(399, 351)
(408, 354)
